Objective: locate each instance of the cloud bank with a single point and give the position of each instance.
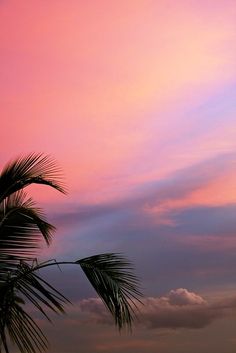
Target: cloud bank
(179, 308)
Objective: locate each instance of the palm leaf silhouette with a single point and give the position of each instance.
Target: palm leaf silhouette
(22, 227)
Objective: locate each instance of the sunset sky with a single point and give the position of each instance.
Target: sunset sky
(136, 100)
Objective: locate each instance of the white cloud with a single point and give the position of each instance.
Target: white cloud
(182, 296)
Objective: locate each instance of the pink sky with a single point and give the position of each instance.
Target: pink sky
(136, 101)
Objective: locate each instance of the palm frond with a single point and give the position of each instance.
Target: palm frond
(112, 277)
(24, 331)
(24, 282)
(21, 328)
(34, 168)
(22, 226)
(39, 292)
(110, 274)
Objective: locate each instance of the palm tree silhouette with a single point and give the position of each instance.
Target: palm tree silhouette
(22, 226)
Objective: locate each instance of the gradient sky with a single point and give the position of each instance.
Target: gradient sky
(136, 101)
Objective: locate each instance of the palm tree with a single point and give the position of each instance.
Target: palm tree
(22, 226)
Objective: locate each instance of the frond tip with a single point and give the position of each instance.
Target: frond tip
(36, 168)
(112, 277)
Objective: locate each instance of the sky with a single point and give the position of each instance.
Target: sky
(135, 99)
